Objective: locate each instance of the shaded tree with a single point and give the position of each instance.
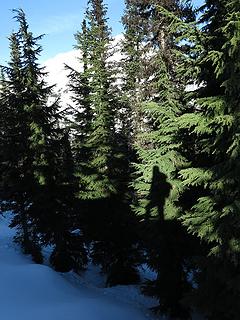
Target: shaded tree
(100, 162)
(211, 179)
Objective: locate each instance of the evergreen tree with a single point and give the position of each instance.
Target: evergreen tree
(53, 203)
(131, 67)
(155, 181)
(37, 183)
(79, 86)
(37, 135)
(101, 139)
(16, 174)
(211, 181)
(99, 160)
(144, 33)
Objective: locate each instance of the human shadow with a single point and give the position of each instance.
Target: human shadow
(159, 191)
(166, 240)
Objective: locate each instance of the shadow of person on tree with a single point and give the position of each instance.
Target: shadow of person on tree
(166, 242)
(159, 191)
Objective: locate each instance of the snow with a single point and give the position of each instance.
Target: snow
(57, 74)
(30, 291)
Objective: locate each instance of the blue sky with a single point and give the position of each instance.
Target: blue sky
(57, 19)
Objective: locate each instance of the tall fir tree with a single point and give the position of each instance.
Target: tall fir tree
(155, 181)
(211, 181)
(131, 68)
(35, 183)
(100, 161)
(53, 201)
(16, 173)
(101, 140)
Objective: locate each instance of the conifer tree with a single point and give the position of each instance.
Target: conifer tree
(131, 67)
(101, 140)
(211, 181)
(155, 181)
(144, 32)
(100, 162)
(37, 134)
(52, 206)
(79, 86)
(16, 175)
(37, 182)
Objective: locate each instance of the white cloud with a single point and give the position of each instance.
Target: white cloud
(57, 73)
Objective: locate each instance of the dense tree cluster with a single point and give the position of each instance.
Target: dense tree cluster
(147, 169)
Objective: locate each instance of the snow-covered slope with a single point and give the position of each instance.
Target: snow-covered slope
(58, 74)
(29, 291)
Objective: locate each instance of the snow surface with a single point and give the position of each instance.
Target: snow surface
(30, 291)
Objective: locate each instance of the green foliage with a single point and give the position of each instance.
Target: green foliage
(95, 116)
(211, 181)
(101, 164)
(37, 183)
(156, 184)
(139, 120)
